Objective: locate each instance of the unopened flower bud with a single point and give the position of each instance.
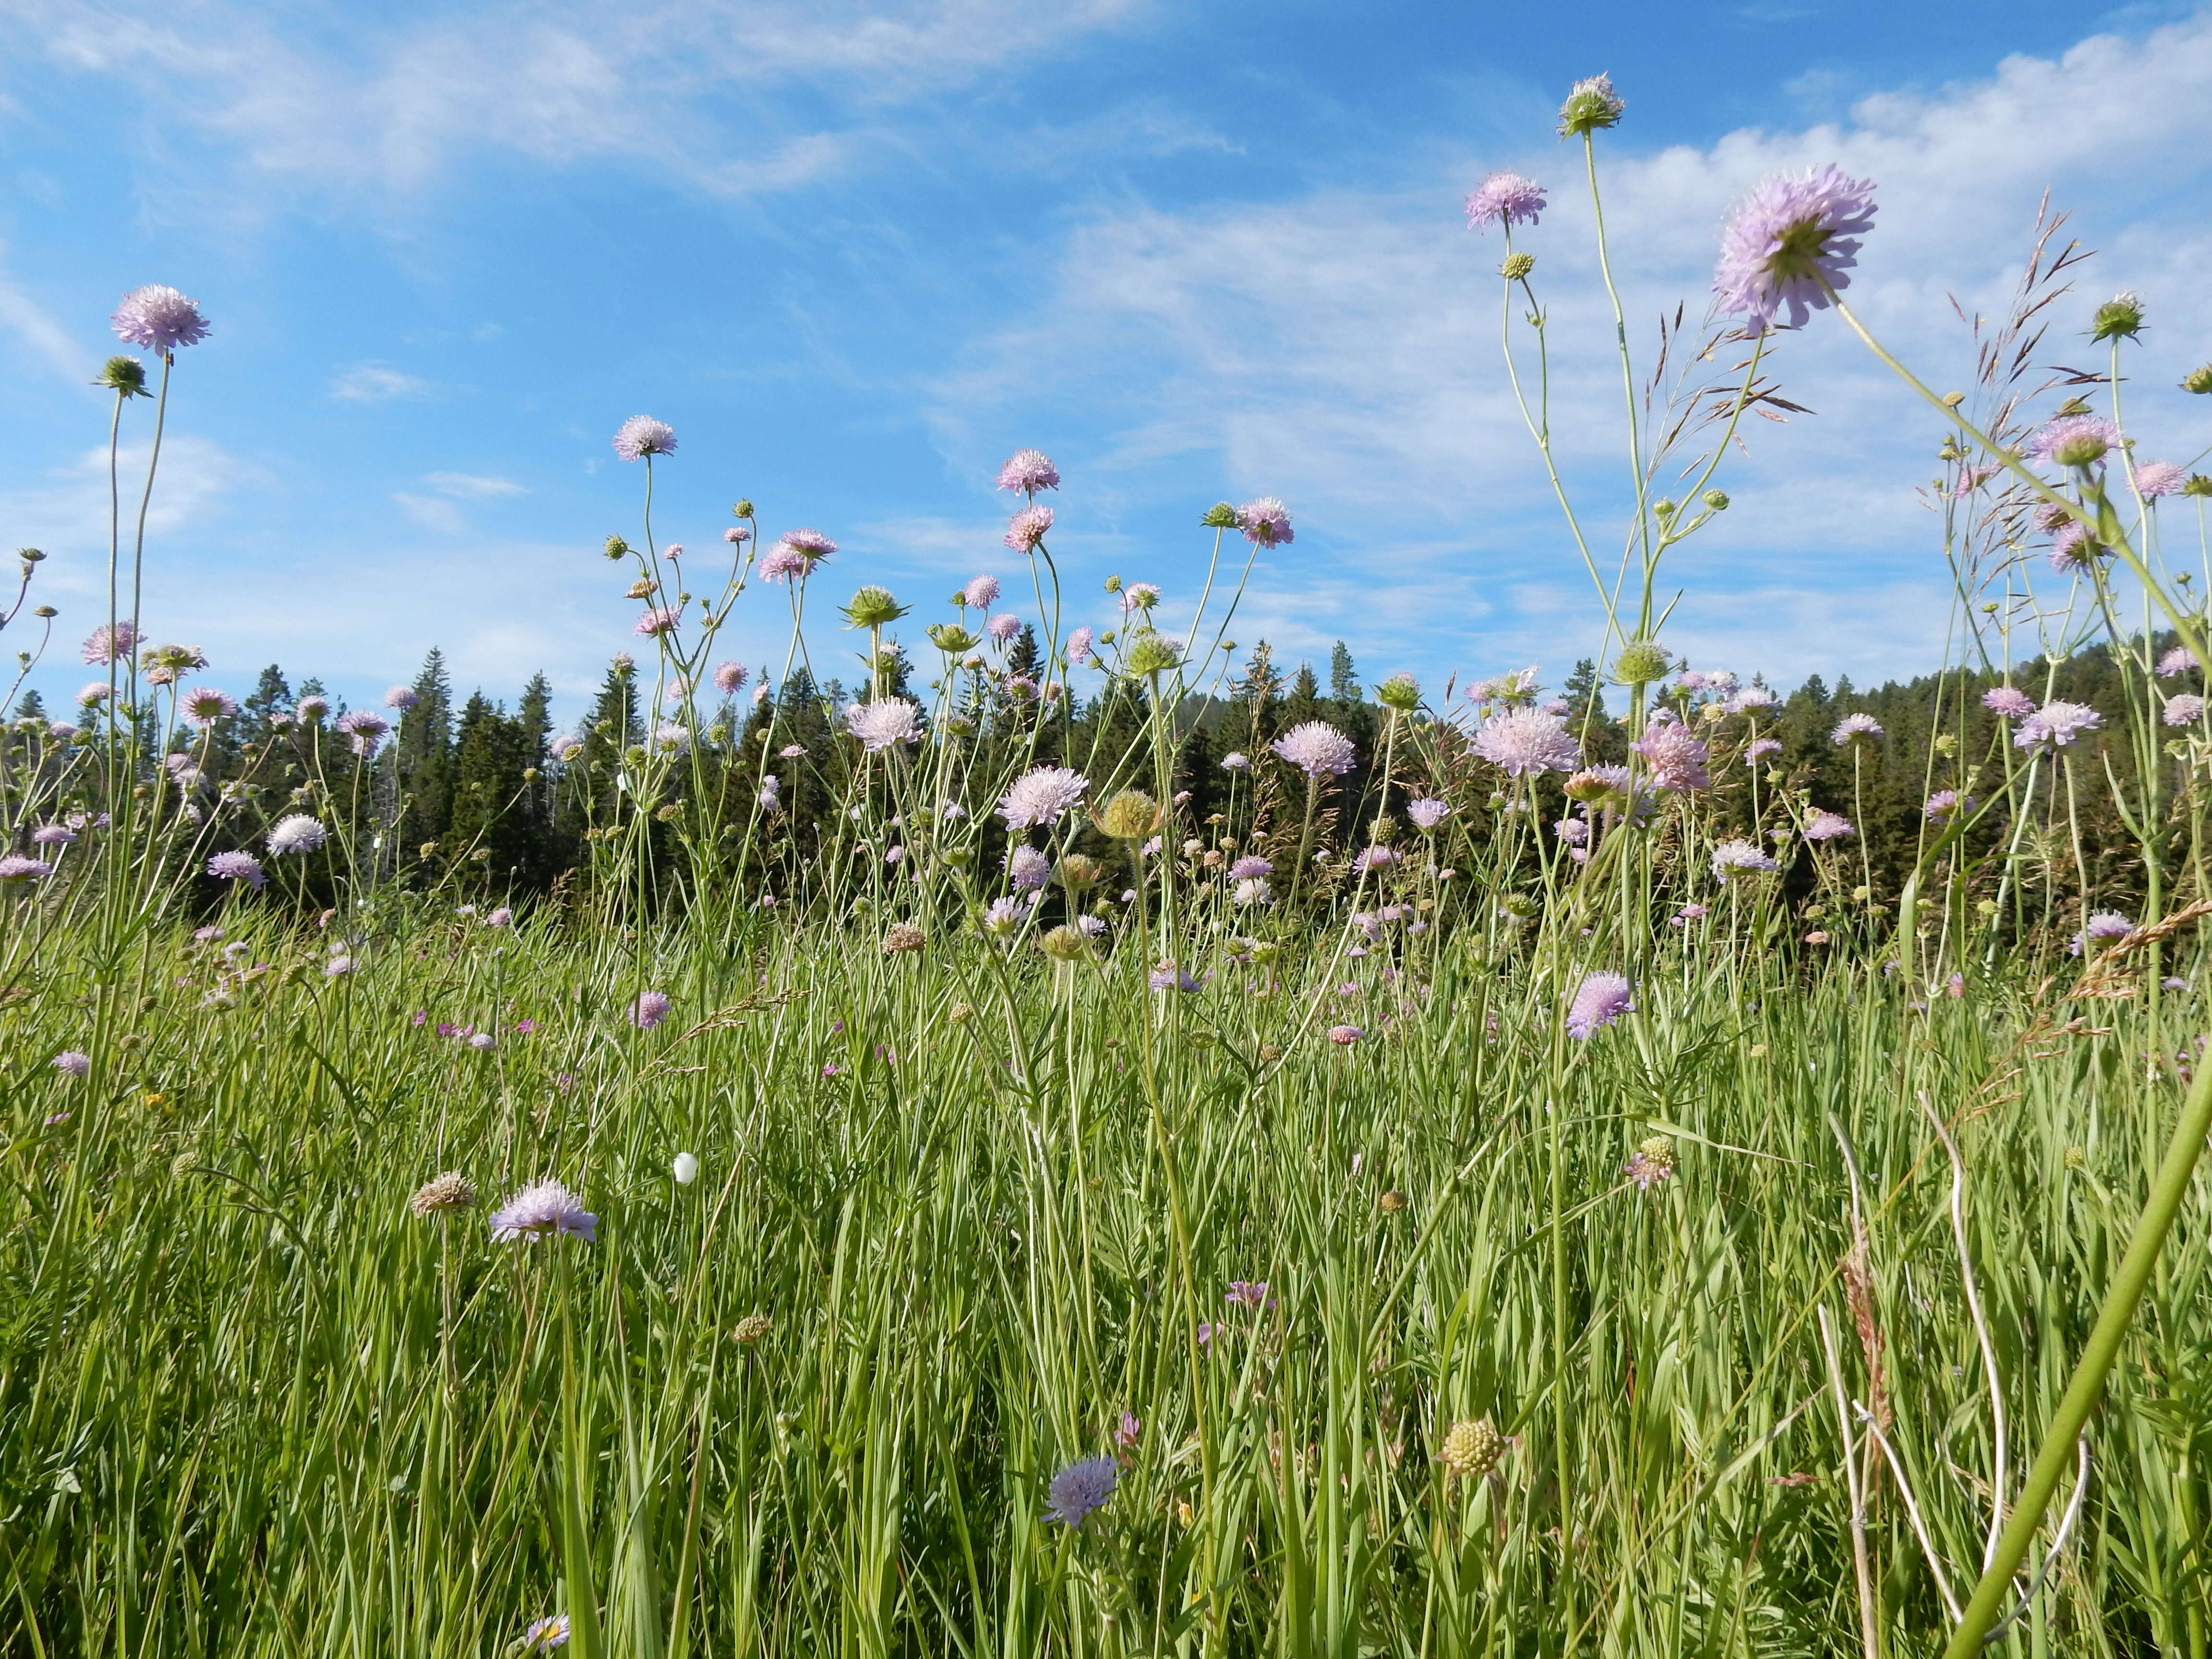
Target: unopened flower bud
(127, 375)
(741, 508)
(616, 547)
(1152, 653)
(1130, 816)
(872, 607)
(2198, 380)
(751, 1328)
(2120, 318)
(1078, 871)
(1516, 266)
(46, 612)
(1472, 1448)
(29, 554)
(1641, 662)
(1065, 943)
(1716, 499)
(1402, 692)
(1222, 516)
(1592, 106)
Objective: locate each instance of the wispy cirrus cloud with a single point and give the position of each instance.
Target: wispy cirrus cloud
(375, 383)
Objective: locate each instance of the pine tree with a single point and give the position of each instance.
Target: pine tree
(423, 757)
(1304, 702)
(270, 696)
(1343, 678)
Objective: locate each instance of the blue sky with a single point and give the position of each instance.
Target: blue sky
(857, 254)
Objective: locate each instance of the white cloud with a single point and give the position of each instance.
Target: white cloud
(372, 383)
(32, 323)
(468, 486)
(1341, 350)
(432, 512)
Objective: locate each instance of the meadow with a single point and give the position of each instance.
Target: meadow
(930, 1172)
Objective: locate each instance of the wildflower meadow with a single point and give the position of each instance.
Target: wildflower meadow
(1084, 1142)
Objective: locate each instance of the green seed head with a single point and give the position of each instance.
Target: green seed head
(1152, 653)
(2120, 318)
(1402, 692)
(1641, 662)
(1516, 266)
(1592, 105)
(1133, 814)
(1472, 1448)
(872, 607)
(1222, 516)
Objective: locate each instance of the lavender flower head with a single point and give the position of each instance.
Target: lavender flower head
(2074, 440)
(642, 435)
(365, 730)
(1236, 761)
(649, 1010)
(1028, 869)
(981, 591)
(1601, 1000)
(1827, 826)
(1169, 977)
(1002, 627)
(1946, 804)
(880, 724)
(310, 710)
(237, 866)
(97, 691)
(1139, 596)
(1791, 241)
(1316, 747)
(1027, 528)
(729, 677)
(1345, 1035)
(1758, 748)
(2056, 725)
(1427, 813)
(1853, 727)
(2103, 925)
(546, 1633)
(1265, 522)
(205, 705)
(2179, 660)
(156, 318)
(2011, 703)
(796, 553)
(107, 644)
(1042, 796)
(2157, 478)
(1732, 857)
(1505, 199)
(401, 697)
(1081, 1489)
(1525, 742)
(297, 833)
(2185, 708)
(1028, 471)
(1250, 867)
(53, 835)
(1079, 644)
(672, 739)
(655, 622)
(15, 867)
(72, 1062)
(1677, 760)
(546, 1210)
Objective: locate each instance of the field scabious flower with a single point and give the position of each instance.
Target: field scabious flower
(546, 1210)
(2011, 703)
(1795, 239)
(1081, 1489)
(1028, 869)
(448, 1191)
(53, 835)
(1345, 1035)
(2157, 478)
(237, 866)
(1757, 749)
(1600, 1000)
(796, 553)
(2074, 440)
(2185, 710)
(1028, 471)
(1472, 1448)
(1427, 813)
(1855, 728)
(1265, 522)
(1250, 867)
(298, 834)
(1827, 826)
(1677, 759)
(544, 1634)
(1525, 742)
(1169, 977)
(2101, 925)
(656, 622)
(205, 705)
(981, 591)
(1027, 528)
(365, 730)
(401, 697)
(1652, 1163)
(1042, 796)
(72, 1062)
(157, 318)
(880, 724)
(107, 644)
(1505, 199)
(729, 677)
(649, 1010)
(1317, 748)
(2056, 725)
(1732, 857)
(1079, 644)
(1946, 804)
(642, 435)
(2179, 660)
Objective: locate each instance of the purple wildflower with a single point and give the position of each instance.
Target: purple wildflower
(2185, 710)
(2101, 925)
(2056, 725)
(297, 833)
(401, 697)
(107, 644)
(308, 710)
(1345, 1035)
(642, 435)
(1505, 199)
(1265, 522)
(1758, 748)
(1853, 727)
(2179, 660)
(1027, 869)
(1027, 528)
(1250, 867)
(649, 1010)
(1247, 1293)
(2074, 440)
(53, 835)
(880, 724)
(72, 1062)
(236, 867)
(1082, 1487)
(1042, 796)
(1524, 742)
(1945, 805)
(2011, 703)
(1733, 856)
(1028, 471)
(1002, 627)
(981, 591)
(1677, 759)
(1079, 644)
(1129, 1431)
(1236, 761)
(1601, 999)
(156, 318)
(1827, 826)
(1792, 241)
(1169, 977)
(1427, 813)
(205, 705)
(365, 729)
(1316, 747)
(2157, 478)
(544, 1211)
(796, 553)
(656, 622)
